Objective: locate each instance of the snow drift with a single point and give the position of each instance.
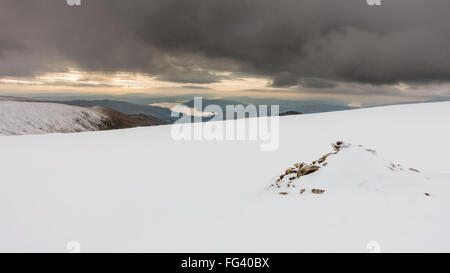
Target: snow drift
(139, 190)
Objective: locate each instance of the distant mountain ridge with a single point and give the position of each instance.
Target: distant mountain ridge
(290, 113)
(10, 98)
(128, 108)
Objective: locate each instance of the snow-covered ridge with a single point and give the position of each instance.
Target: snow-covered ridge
(20, 118)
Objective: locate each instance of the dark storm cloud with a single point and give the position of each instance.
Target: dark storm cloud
(287, 40)
(285, 79)
(189, 76)
(317, 83)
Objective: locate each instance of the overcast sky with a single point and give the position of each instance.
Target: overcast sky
(326, 48)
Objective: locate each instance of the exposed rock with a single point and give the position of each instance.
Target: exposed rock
(287, 179)
(290, 170)
(317, 191)
(307, 170)
(337, 146)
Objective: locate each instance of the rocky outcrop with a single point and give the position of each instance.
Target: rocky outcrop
(293, 176)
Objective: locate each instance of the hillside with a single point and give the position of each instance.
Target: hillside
(118, 120)
(23, 117)
(385, 185)
(20, 118)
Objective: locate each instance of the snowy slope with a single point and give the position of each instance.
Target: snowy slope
(21, 117)
(139, 190)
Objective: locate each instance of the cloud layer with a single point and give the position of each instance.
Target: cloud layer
(314, 43)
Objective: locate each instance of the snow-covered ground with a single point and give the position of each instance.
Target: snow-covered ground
(23, 117)
(139, 190)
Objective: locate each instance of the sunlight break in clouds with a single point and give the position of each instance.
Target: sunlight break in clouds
(121, 81)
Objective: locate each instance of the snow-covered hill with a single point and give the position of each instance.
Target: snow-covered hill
(22, 117)
(140, 190)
